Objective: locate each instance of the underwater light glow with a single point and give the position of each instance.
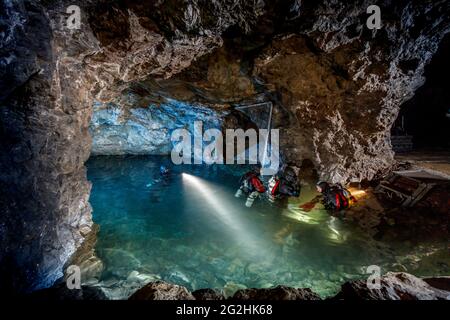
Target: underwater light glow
(229, 215)
(212, 199)
(357, 192)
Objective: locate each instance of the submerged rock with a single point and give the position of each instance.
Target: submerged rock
(178, 277)
(161, 290)
(231, 288)
(277, 293)
(117, 289)
(393, 286)
(143, 278)
(120, 262)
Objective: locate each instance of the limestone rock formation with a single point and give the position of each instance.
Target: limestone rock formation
(277, 293)
(208, 294)
(85, 258)
(393, 286)
(117, 130)
(337, 87)
(161, 290)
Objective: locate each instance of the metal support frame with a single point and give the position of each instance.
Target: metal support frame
(408, 200)
(269, 121)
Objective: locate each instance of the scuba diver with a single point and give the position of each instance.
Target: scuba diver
(284, 184)
(335, 198)
(251, 186)
(159, 183)
(164, 174)
(164, 171)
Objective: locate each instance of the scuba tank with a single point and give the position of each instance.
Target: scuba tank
(252, 186)
(245, 187)
(239, 193)
(272, 188)
(251, 198)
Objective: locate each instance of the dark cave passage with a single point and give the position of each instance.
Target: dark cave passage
(427, 115)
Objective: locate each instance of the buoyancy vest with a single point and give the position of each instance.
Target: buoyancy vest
(252, 182)
(274, 186)
(279, 187)
(335, 198)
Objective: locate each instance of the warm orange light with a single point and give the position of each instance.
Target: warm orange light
(357, 192)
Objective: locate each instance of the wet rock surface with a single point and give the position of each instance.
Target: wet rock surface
(86, 259)
(393, 286)
(277, 293)
(208, 294)
(162, 291)
(324, 71)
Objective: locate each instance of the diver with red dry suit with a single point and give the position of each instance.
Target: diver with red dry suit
(251, 186)
(335, 198)
(282, 185)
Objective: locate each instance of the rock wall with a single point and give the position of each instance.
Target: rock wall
(44, 144)
(116, 130)
(392, 286)
(50, 77)
(336, 84)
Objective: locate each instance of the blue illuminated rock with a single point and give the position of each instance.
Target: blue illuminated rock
(117, 130)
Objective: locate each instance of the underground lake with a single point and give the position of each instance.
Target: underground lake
(97, 96)
(188, 229)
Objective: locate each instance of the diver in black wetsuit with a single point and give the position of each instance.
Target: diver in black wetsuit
(283, 185)
(164, 171)
(162, 180)
(251, 186)
(335, 198)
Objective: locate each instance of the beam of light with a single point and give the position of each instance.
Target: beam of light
(212, 199)
(224, 212)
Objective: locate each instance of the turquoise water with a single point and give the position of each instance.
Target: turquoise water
(191, 230)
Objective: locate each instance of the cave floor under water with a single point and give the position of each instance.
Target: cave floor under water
(191, 230)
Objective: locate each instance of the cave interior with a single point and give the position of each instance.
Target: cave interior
(86, 119)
